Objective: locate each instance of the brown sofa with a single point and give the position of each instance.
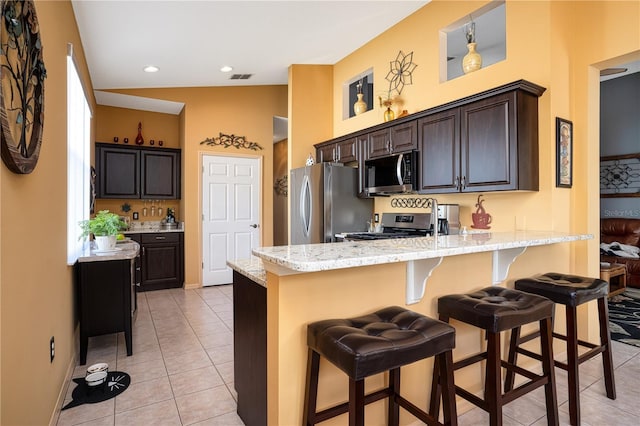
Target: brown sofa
(625, 231)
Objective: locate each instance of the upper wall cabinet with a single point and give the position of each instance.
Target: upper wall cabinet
(392, 140)
(484, 142)
(132, 172)
(486, 145)
(345, 151)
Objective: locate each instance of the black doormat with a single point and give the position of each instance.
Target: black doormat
(624, 317)
(116, 383)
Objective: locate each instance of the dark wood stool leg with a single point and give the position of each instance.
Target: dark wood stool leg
(546, 348)
(311, 388)
(573, 381)
(394, 408)
(605, 340)
(493, 384)
(510, 377)
(436, 387)
(356, 402)
(444, 363)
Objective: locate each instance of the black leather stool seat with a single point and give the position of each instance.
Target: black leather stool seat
(381, 341)
(495, 309)
(569, 290)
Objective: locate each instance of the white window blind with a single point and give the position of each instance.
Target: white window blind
(78, 161)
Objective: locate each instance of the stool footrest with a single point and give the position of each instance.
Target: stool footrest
(416, 411)
(336, 410)
(524, 389)
(469, 361)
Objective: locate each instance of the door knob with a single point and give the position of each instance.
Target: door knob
(255, 225)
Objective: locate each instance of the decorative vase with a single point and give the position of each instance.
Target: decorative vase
(139, 139)
(360, 105)
(472, 61)
(389, 114)
(105, 242)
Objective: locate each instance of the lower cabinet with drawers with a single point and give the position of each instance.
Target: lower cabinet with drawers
(161, 260)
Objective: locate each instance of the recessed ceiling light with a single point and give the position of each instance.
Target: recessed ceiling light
(151, 68)
(226, 68)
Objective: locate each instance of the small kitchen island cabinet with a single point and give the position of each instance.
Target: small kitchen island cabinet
(162, 260)
(106, 297)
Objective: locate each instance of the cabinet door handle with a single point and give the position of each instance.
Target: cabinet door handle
(464, 182)
(143, 251)
(457, 182)
(161, 238)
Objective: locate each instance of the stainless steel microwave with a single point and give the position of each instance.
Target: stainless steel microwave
(395, 174)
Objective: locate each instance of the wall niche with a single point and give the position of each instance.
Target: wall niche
(490, 38)
(364, 80)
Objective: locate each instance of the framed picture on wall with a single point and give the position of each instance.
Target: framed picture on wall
(564, 153)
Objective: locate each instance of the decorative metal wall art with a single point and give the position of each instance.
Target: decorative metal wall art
(232, 140)
(280, 186)
(400, 72)
(620, 176)
(411, 203)
(22, 75)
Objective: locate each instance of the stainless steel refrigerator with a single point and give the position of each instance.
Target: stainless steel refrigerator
(324, 202)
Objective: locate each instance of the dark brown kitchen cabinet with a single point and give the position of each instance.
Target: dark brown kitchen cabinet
(134, 172)
(161, 260)
(118, 172)
(392, 140)
(160, 171)
(106, 300)
(345, 151)
(486, 145)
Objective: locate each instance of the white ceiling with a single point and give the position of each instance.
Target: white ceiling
(191, 40)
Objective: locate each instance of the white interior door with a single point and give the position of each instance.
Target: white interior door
(230, 214)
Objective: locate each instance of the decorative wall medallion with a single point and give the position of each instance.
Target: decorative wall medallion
(280, 186)
(232, 140)
(620, 176)
(22, 75)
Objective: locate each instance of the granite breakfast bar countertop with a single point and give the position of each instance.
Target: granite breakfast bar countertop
(324, 257)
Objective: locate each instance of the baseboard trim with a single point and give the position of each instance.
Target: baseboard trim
(192, 286)
(53, 421)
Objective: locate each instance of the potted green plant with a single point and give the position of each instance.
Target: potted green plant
(104, 227)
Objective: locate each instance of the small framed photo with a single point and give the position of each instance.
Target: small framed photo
(564, 153)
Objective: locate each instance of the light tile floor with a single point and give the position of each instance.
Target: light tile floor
(182, 372)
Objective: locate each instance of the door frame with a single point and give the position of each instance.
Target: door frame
(201, 155)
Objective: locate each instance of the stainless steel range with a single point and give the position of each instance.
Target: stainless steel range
(398, 225)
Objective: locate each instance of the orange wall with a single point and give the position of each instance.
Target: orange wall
(243, 111)
(36, 288)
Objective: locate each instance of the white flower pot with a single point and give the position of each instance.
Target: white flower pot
(105, 242)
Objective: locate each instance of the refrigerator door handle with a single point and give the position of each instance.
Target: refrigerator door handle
(306, 206)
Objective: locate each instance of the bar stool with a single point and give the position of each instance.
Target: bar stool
(497, 309)
(570, 291)
(382, 341)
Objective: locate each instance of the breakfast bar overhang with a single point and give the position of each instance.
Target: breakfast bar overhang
(307, 283)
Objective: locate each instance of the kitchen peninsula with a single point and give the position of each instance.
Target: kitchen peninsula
(307, 283)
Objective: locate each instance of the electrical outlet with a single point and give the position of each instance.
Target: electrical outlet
(52, 348)
(376, 218)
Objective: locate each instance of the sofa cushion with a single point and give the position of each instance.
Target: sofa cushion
(625, 231)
